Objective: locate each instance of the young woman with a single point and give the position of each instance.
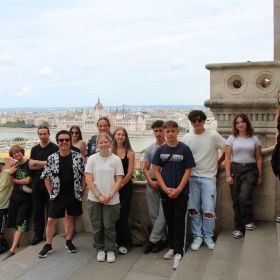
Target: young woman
(77, 140)
(122, 148)
(20, 203)
(104, 174)
(243, 164)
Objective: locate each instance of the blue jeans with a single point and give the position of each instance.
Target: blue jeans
(202, 200)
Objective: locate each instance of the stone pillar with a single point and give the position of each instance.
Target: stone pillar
(247, 87)
(276, 29)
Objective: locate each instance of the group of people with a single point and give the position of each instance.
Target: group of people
(181, 179)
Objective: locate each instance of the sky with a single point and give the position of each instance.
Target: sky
(126, 52)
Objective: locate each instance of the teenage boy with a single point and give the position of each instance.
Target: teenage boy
(157, 238)
(173, 162)
(205, 145)
(64, 180)
(5, 193)
(40, 197)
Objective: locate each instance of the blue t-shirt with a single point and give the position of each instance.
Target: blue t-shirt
(173, 162)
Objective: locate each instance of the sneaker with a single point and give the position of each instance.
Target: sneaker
(158, 247)
(101, 256)
(250, 226)
(237, 234)
(169, 254)
(196, 243)
(111, 257)
(10, 254)
(37, 239)
(70, 246)
(277, 219)
(176, 261)
(123, 250)
(47, 249)
(209, 243)
(148, 246)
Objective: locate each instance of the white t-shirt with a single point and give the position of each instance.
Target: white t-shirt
(104, 170)
(205, 147)
(243, 149)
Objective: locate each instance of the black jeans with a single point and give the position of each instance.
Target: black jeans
(123, 232)
(40, 200)
(175, 211)
(244, 180)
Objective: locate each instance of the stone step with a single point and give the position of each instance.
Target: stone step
(260, 255)
(278, 237)
(61, 265)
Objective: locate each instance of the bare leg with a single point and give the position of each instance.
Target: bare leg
(16, 239)
(70, 227)
(50, 230)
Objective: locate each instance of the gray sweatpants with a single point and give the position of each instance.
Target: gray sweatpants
(156, 215)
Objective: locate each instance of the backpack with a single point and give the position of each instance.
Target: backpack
(275, 160)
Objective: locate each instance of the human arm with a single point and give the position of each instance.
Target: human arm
(48, 184)
(36, 164)
(83, 184)
(228, 154)
(117, 185)
(175, 192)
(259, 165)
(91, 185)
(83, 149)
(160, 180)
(128, 176)
(153, 184)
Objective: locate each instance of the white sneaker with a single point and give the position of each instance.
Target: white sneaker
(169, 254)
(122, 250)
(101, 256)
(209, 243)
(176, 261)
(250, 226)
(111, 257)
(237, 234)
(196, 243)
(277, 219)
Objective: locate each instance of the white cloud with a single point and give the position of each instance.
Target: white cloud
(178, 62)
(26, 91)
(84, 65)
(46, 72)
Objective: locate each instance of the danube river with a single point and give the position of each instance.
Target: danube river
(138, 143)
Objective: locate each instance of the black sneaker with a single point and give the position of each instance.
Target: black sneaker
(70, 246)
(158, 247)
(47, 249)
(37, 239)
(9, 254)
(148, 246)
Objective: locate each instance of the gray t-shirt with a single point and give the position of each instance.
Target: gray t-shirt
(148, 157)
(243, 149)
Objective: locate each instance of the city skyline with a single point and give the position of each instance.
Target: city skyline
(69, 53)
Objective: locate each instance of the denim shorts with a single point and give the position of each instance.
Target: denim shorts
(202, 194)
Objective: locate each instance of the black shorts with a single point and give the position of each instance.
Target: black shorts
(3, 219)
(66, 202)
(19, 214)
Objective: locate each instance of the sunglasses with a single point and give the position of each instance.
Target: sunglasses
(196, 120)
(61, 140)
(75, 132)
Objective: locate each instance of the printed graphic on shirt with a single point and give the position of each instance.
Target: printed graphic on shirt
(166, 157)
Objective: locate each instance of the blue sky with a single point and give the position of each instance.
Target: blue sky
(132, 52)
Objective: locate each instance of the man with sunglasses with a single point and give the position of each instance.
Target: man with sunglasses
(205, 145)
(65, 183)
(40, 196)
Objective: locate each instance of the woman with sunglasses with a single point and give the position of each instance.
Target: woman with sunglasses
(243, 165)
(122, 148)
(77, 140)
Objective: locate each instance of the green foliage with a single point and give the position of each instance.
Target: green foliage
(19, 139)
(139, 175)
(17, 123)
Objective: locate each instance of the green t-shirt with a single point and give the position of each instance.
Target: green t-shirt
(5, 189)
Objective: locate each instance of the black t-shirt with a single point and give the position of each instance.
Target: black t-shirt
(173, 162)
(21, 173)
(66, 175)
(42, 154)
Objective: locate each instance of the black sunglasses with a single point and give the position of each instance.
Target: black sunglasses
(61, 140)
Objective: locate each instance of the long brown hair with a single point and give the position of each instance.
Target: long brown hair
(127, 145)
(249, 129)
